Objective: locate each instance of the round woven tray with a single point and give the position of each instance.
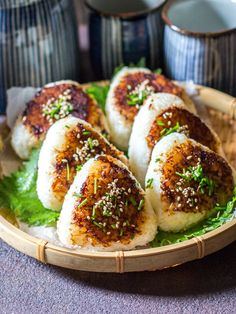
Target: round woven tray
(221, 109)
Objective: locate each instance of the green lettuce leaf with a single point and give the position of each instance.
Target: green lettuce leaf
(99, 93)
(223, 215)
(18, 193)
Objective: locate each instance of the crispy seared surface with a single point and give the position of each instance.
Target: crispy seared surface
(190, 124)
(110, 212)
(82, 143)
(159, 83)
(181, 195)
(84, 107)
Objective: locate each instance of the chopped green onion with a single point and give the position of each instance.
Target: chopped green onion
(79, 167)
(141, 203)
(55, 109)
(90, 143)
(118, 211)
(196, 174)
(132, 200)
(95, 186)
(86, 132)
(167, 131)
(67, 171)
(82, 203)
(97, 224)
(137, 98)
(77, 194)
(160, 123)
(94, 212)
(149, 183)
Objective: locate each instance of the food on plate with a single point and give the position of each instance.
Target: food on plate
(128, 90)
(163, 114)
(105, 209)
(53, 102)
(185, 181)
(79, 185)
(69, 143)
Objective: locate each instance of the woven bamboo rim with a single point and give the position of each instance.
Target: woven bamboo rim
(222, 111)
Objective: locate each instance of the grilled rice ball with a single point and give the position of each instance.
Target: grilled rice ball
(128, 90)
(69, 143)
(186, 181)
(161, 115)
(51, 103)
(106, 209)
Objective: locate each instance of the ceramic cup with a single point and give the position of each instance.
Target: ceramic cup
(200, 42)
(123, 32)
(38, 43)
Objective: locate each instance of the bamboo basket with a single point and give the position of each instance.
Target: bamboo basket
(221, 109)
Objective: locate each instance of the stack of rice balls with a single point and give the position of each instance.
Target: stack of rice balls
(175, 175)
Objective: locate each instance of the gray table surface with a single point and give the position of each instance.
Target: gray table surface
(202, 286)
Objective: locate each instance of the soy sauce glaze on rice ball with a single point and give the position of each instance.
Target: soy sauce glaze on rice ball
(186, 181)
(106, 209)
(69, 143)
(128, 90)
(163, 114)
(51, 103)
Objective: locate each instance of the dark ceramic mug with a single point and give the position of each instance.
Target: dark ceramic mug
(123, 32)
(200, 42)
(38, 43)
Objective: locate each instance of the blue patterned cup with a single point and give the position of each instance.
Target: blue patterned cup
(200, 42)
(123, 32)
(38, 43)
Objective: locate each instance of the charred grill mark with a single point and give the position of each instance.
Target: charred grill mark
(33, 119)
(185, 196)
(193, 126)
(159, 83)
(84, 107)
(116, 223)
(68, 160)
